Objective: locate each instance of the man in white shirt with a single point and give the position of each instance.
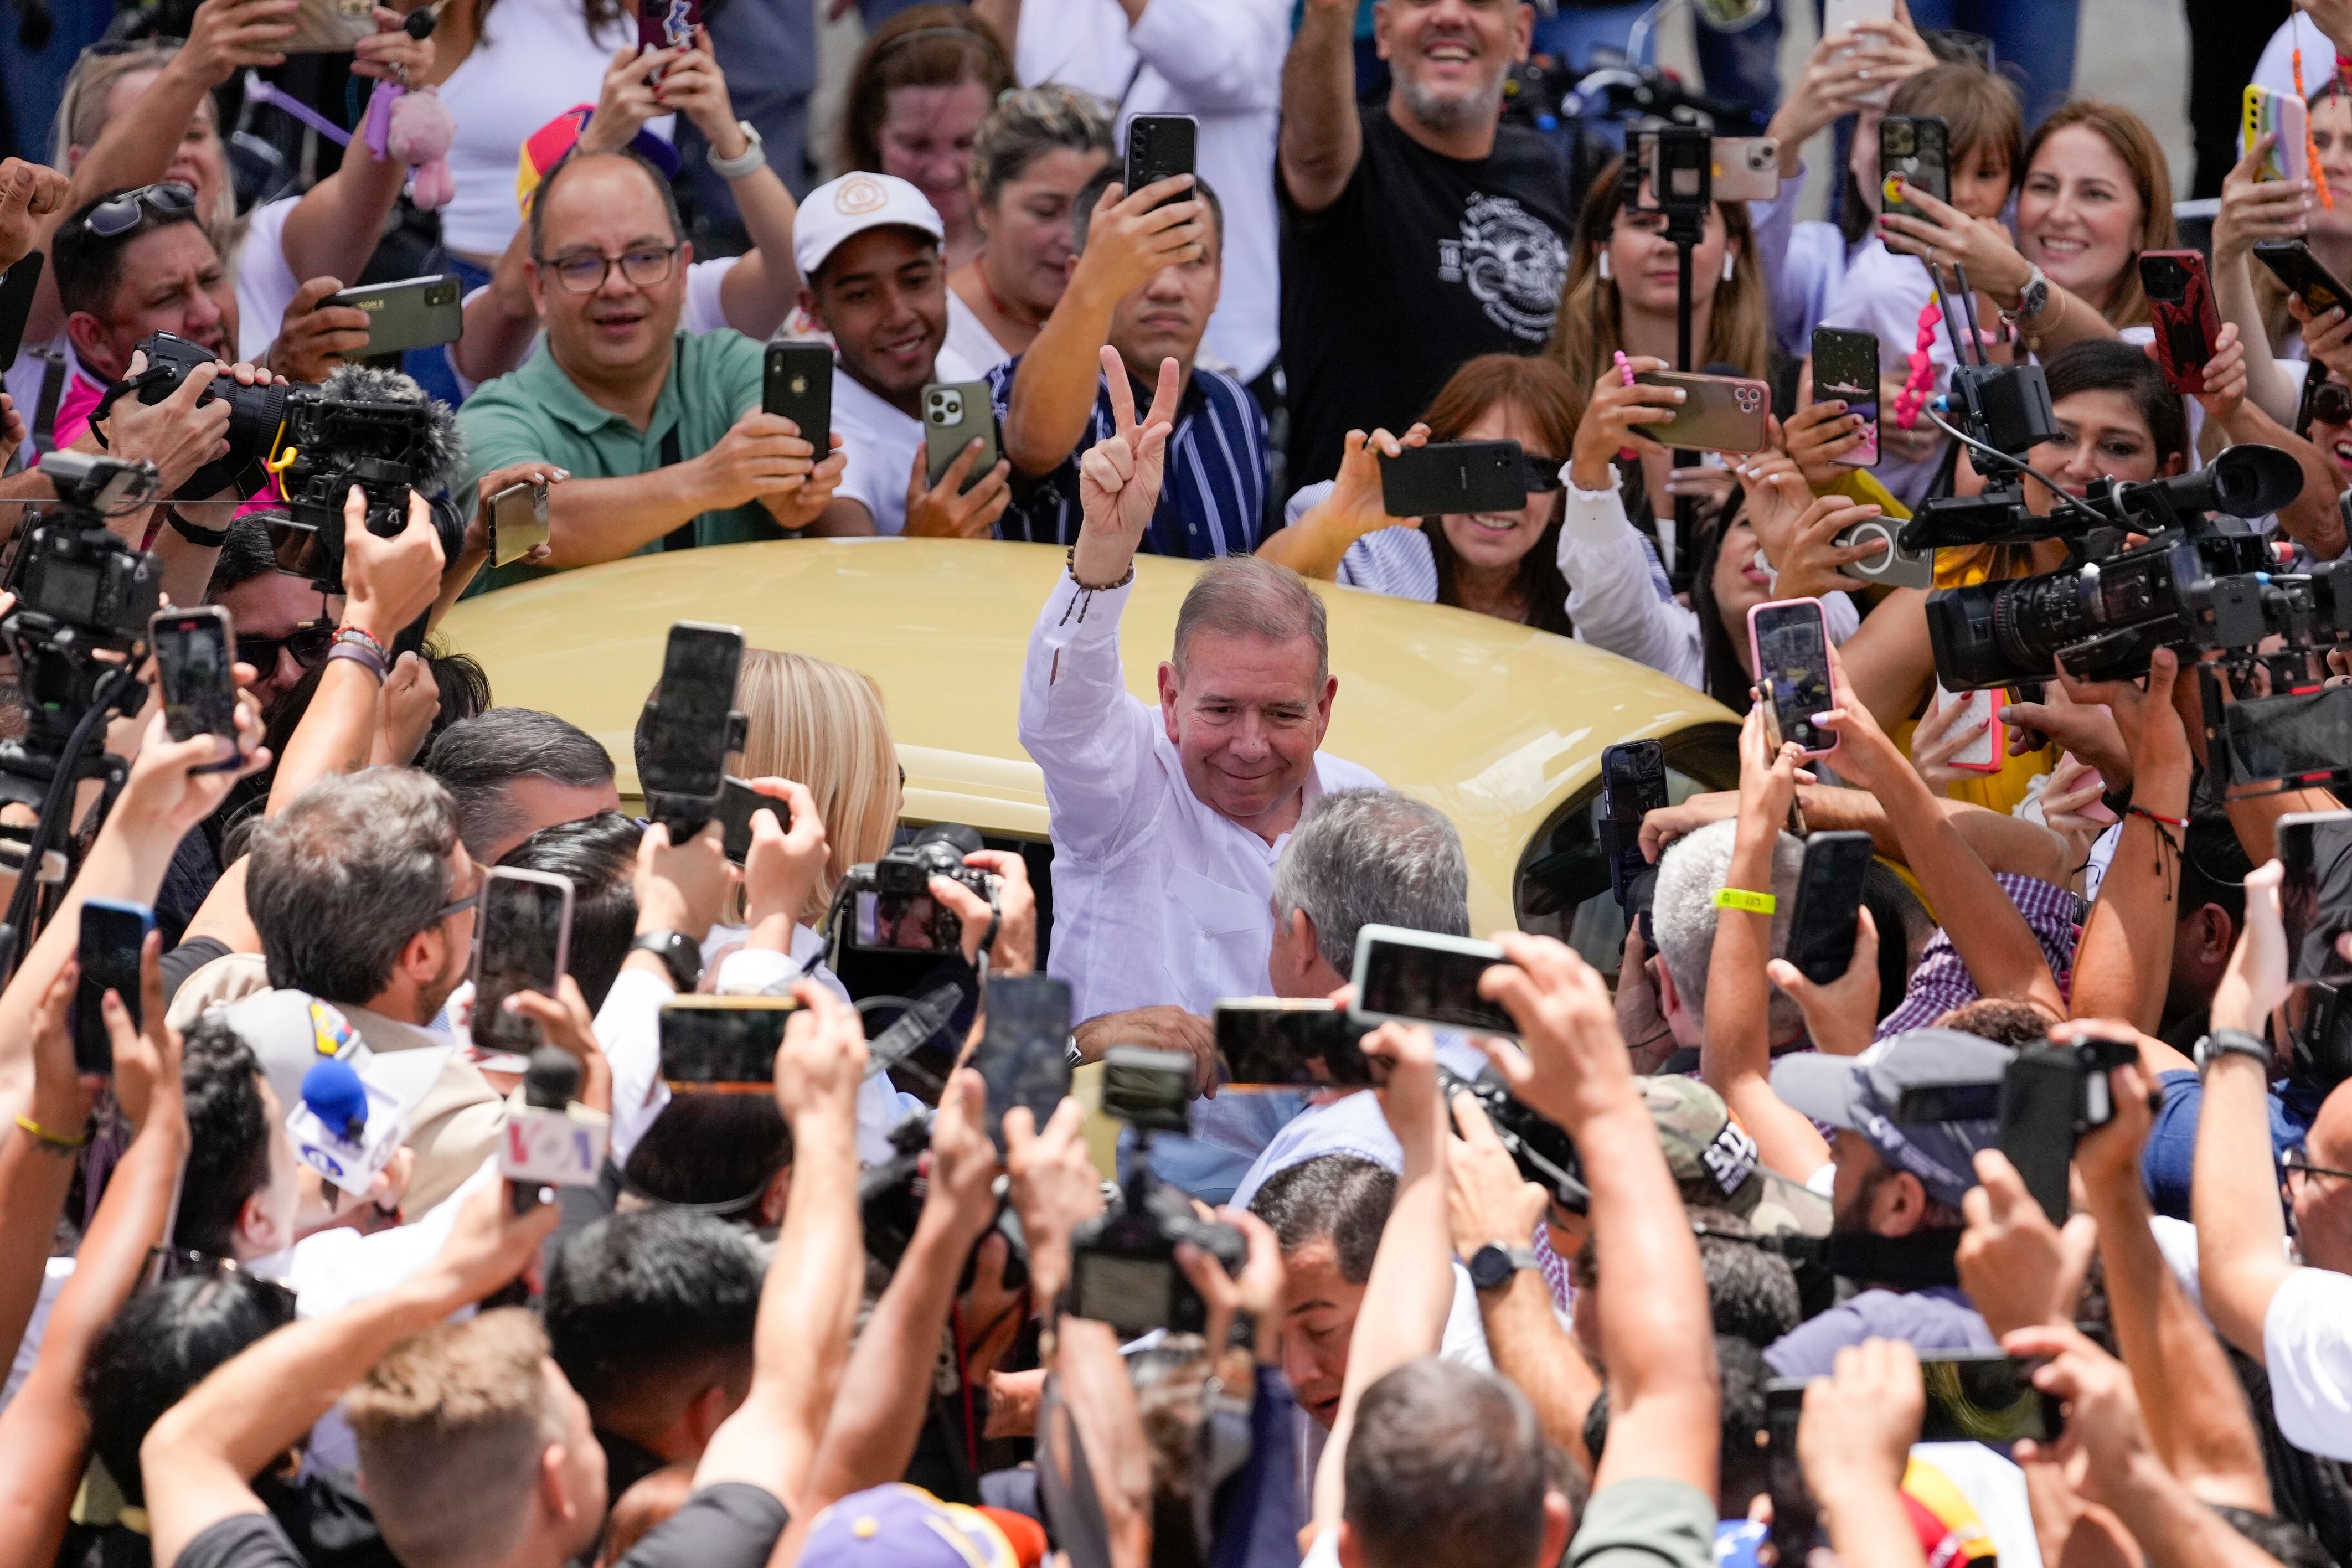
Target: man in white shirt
(1217, 60)
(1166, 827)
(868, 249)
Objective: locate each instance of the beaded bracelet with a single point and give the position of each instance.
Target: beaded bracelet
(1922, 371)
(2311, 143)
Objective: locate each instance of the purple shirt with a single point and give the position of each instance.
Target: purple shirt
(1941, 982)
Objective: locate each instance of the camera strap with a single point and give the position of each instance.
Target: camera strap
(672, 455)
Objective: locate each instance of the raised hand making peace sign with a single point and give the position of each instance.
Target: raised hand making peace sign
(1118, 479)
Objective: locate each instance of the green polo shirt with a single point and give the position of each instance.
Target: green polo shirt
(535, 414)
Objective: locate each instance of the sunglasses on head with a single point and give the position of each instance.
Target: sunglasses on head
(118, 216)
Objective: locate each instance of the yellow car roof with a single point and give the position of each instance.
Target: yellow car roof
(1495, 724)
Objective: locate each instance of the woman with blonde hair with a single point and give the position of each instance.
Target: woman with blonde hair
(821, 724)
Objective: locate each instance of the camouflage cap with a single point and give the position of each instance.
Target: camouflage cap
(1712, 1157)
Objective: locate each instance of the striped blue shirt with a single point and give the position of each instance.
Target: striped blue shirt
(1213, 500)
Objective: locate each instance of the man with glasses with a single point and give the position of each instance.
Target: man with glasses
(661, 429)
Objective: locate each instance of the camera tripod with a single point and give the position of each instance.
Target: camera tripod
(57, 752)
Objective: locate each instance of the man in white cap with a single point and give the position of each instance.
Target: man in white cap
(868, 250)
(661, 430)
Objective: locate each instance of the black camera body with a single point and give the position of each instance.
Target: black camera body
(904, 874)
(1543, 1150)
(1123, 1261)
(77, 584)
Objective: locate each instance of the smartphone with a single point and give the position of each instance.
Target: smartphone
(668, 24)
(2291, 262)
(2288, 118)
(1918, 148)
(1846, 366)
(1718, 414)
(413, 313)
(1840, 15)
(17, 288)
(1274, 1042)
(1823, 927)
(1985, 1396)
(686, 750)
(1159, 147)
(1023, 1052)
(112, 932)
(518, 520)
(1746, 168)
(1452, 478)
(194, 652)
(723, 1045)
(2180, 309)
(1633, 785)
(2302, 736)
(1789, 640)
(1420, 977)
(737, 801)
(2041, 1116)
(1988, 752)
(522, 940)
(1796, 1519)
(329, 26)
(797, 383)
(954, 414)
(2314, 847)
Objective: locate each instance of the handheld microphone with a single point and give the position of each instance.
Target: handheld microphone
(345, 1129)
(549, 1140)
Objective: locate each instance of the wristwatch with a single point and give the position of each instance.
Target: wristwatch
(2031, 299)
(1492, 1266)
(195, 533)
(679, 954)
(2231, 1043)
(752, 157)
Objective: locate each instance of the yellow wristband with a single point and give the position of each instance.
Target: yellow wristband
(51, 1139)
(1741, 898)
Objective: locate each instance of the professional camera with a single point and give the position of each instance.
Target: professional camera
(1123, 1267)
(887, 905)
(1542, 1150)
(890, 1205)
(364, 426)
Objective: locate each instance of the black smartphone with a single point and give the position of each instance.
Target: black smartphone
(1984, 1396)
(2321, 1048)
(1788, 642)
(1159, 147)
(17, 288)
(2315, 848)
(1420, 977)
(1918, 148)
(2306, 275)
(2041, 1116)
(1822, 928)
(1274, 1042)
(797, 383)
(2304, 735)
(1024, 1049)
(722, 1043)
(686, 753)
(194, 652)
(1796, 1519)
(1449, 479)
(1633, 785)
(111, 936)
(523, 938)
(1846, 366)
(736, 801)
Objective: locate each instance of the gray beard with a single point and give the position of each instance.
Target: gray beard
(1444, 113)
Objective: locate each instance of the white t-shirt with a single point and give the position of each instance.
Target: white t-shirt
(969, 337)
(2307, 1350)
(534, 60)
(882, 442)
(266, 285)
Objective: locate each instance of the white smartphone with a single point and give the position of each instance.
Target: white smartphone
(1839, 16)
(1987, 752)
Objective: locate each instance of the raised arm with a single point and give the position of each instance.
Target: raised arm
(1610, 595)
(333, 229)
(2125, 962)
(758, 291)
(1315, 545)
(1994, 266)
(36, 1163)
(1220, 54)
(2254, 209)
(2004, 843)
(1322, 140)
(1657, 1333)
(1855, 1443)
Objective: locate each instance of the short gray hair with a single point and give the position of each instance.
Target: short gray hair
(1372, 856)
(345, 875)
(1247, 596)
(478, 759)
(1690, 873)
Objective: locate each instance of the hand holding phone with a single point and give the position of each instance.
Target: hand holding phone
(1789, 640)
(195, 654)
(1420, 977)
(523, 943)
(1023, 1051)
(112, 933)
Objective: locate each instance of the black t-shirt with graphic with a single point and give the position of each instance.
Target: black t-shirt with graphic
(1422, 262)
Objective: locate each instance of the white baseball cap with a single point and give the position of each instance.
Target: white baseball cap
(841, 208)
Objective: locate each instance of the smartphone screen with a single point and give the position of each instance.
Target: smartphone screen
(903, 923)
(2316, 849)
(1425, 979)
(111, 936)
(687, 750)
(1984, 1396)
(523, 936)
(1845, 367)
(1822, 929)
(1267, 1042)
(722, 1043)
(1133, 1295)
(2289, 737)
(1632, 785)
(193, 651)
(1791, 640)
(668, 24)
(1023, 1051)
(2041, 1109)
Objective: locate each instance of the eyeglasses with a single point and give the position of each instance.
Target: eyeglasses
(644, 266)
(1541, 475)
(2331, 404)
(308, 643)
(2298, 1163)
(121, 214)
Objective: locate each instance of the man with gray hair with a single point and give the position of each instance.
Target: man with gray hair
(1166, 826)
(513, 771)
(1691, 871)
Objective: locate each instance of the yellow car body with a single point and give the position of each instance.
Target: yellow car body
(1498, 726)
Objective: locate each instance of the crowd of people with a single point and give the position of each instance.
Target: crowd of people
(1755, 1314)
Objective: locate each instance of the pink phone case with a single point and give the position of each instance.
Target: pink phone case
(1988, 752)
(1763, 677)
